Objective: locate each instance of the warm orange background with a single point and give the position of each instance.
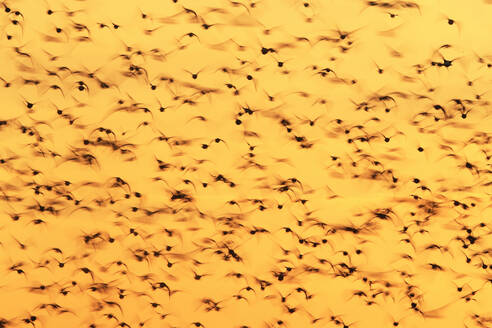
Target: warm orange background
(416, 34)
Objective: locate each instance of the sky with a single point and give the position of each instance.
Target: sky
(217, 163)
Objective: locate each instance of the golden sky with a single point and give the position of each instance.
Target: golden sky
(220, 163)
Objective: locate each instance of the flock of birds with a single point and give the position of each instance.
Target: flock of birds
(233, 163)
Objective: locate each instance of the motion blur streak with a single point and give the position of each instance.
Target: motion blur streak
(230, 163)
